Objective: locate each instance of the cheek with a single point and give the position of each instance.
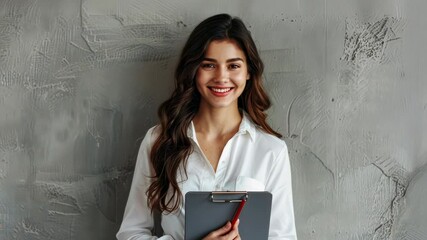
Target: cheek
(200, 81)
(201, 77)
(197, 75)
(242, 78)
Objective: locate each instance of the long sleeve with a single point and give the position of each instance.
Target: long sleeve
(138, 221)
(279, 183)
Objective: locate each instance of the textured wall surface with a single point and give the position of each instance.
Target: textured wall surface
(80, 82)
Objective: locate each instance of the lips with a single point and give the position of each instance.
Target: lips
(220, 91)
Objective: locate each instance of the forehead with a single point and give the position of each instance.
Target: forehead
(224, 49)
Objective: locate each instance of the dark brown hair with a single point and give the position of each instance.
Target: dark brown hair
(172, 148)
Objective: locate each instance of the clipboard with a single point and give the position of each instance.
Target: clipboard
(208, 211)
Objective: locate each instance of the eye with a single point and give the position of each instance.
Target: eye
(234, 66)
(208, 65)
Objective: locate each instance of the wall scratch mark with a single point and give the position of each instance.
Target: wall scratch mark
(317, 157)
(59, 202)
(289, 116)
(81, 48)
(396, 173)
(366, 43)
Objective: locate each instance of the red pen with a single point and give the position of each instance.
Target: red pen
(238, 211)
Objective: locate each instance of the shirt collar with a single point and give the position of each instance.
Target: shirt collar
(246, 126)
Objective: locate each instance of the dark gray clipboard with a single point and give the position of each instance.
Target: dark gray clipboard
(208, 211)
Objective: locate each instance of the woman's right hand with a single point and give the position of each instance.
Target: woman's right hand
(227, 232)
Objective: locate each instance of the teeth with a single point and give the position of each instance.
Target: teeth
(221, 90)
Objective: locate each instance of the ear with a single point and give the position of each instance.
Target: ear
(248, 76)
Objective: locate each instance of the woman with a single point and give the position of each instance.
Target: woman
(212, 136)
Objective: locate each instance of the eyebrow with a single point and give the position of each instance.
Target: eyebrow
(228, 60)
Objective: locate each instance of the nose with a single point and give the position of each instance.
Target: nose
(222, 75)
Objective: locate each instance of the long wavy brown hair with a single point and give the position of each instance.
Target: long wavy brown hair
(173, 147)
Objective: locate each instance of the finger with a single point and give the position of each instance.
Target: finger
(236, 225)
(221, 231)
(234, 233)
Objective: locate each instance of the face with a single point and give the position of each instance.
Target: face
(222, 75)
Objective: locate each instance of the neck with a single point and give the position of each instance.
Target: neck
(218, 121)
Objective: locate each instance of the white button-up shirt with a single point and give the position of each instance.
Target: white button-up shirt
(252, 160)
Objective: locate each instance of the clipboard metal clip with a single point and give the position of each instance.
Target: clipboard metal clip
(216, 197)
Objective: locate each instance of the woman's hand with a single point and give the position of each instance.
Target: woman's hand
(227, 232)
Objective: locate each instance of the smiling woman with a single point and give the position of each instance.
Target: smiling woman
(222, 75)
(212, 136)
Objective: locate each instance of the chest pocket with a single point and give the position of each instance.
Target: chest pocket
(248, 184)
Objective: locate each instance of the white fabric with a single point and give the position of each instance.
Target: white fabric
(252, 160)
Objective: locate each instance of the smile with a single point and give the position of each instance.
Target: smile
(220, 90)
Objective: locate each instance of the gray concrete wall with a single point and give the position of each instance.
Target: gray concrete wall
(80, 82)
